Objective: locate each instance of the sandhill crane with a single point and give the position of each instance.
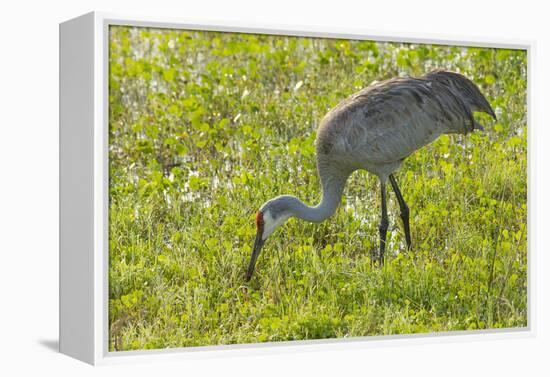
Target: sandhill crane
(376, 129)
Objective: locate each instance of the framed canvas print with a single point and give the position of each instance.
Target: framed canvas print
(235, 188)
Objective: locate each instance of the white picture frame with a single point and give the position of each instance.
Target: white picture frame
(84, 191)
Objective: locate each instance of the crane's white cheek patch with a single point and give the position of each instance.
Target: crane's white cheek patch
(270, 224)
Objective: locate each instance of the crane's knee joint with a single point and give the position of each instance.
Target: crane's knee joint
(404, 211)
(383, 226)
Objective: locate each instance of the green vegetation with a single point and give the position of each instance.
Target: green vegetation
(205, 127)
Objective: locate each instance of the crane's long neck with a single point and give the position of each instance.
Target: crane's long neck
(333, 184)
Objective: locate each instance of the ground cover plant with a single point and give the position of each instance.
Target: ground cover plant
(204, 127)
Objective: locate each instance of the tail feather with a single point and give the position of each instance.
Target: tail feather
(468, 90)
(482, 104)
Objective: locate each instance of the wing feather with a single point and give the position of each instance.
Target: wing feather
(388, 121)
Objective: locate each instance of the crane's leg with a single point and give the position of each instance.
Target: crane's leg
(383, 226)
(404, 210)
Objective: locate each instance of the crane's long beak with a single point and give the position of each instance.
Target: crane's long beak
(258, 243)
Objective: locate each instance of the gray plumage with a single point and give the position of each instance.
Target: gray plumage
(376, 129)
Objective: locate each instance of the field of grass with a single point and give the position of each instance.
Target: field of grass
(205, 127)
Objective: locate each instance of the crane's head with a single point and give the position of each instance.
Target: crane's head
(271, 215)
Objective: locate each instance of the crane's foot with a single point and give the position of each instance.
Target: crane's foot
(374, 255)
(376, 258)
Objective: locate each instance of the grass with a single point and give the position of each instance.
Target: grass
(206, 126)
